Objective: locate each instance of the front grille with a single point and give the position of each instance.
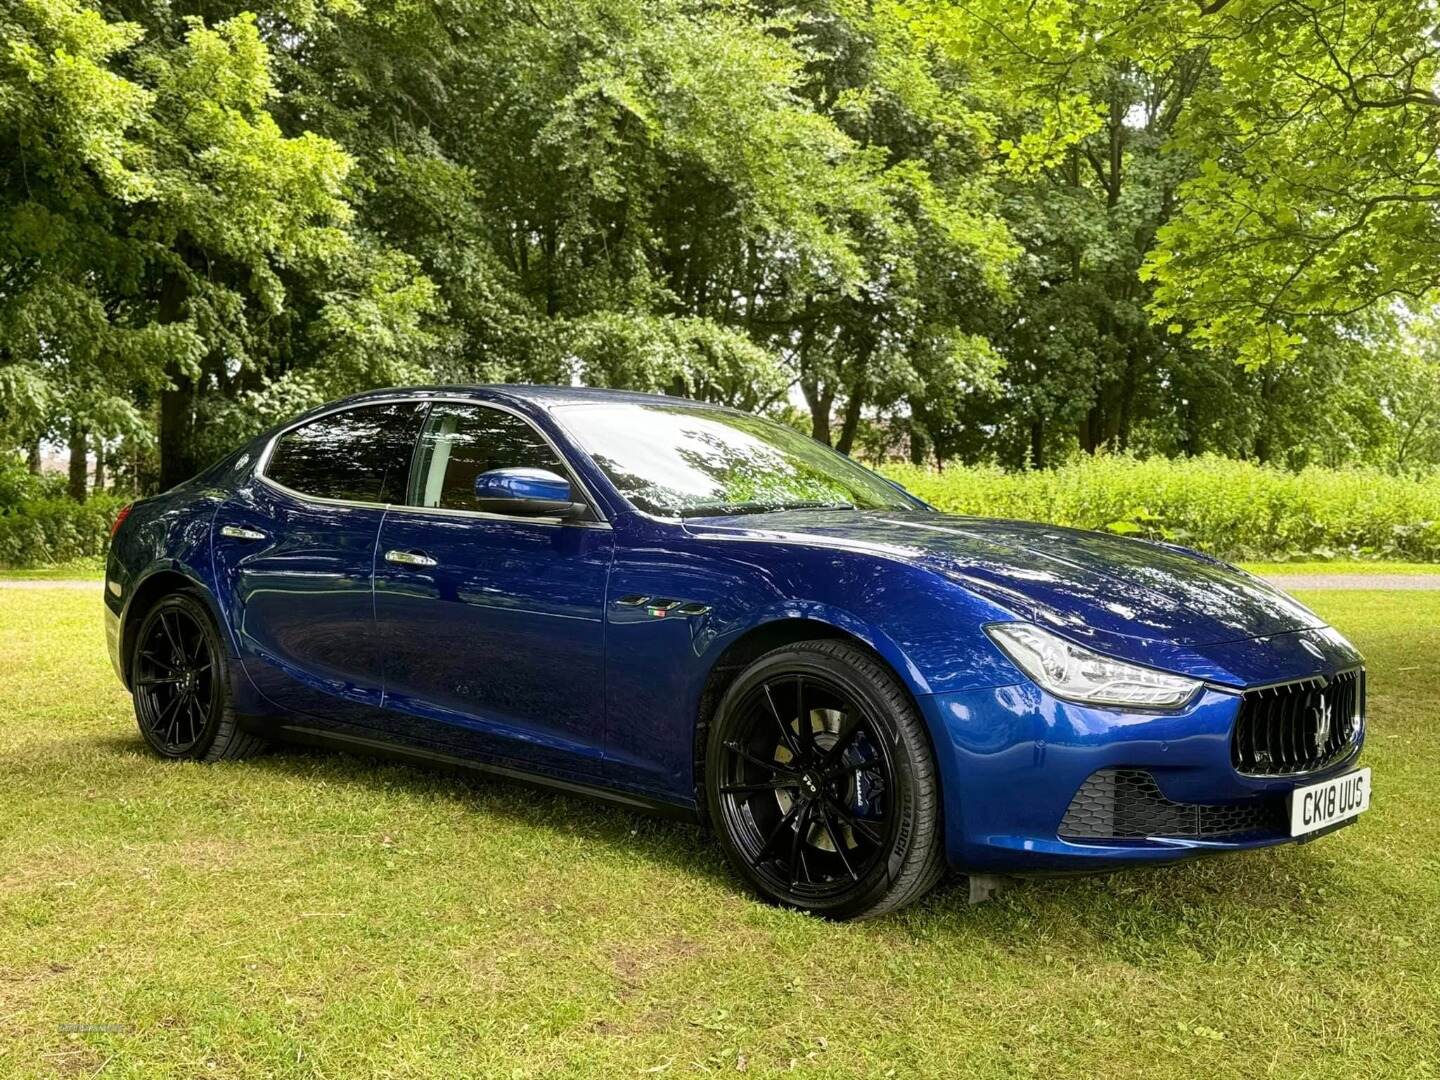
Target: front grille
(1126, 804)
(1298, 727)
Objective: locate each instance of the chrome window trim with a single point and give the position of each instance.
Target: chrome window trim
(263, 461)
(1325, 680)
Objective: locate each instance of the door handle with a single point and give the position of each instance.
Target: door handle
(409, 558)
(239, 532)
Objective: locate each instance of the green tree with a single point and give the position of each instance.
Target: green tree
(163, 235)
(1318, 187)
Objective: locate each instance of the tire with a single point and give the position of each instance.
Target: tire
(839, 815)
(180, 685)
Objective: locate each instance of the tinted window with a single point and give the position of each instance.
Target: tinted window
(462, 441)
(360, 454)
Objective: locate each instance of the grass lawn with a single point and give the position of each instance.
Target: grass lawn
(64, 571)
(313, 914)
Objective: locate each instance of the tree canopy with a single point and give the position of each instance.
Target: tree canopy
(982, 230)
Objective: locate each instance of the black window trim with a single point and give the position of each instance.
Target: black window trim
(597, 522)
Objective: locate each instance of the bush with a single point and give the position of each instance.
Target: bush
(44, 532)
(1232, 509)
(18, 484)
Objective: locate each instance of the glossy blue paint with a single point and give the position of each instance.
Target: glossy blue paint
(298, 598)
(508, 643)
(499, 648)
(521, 490)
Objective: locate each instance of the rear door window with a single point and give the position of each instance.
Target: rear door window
(354, 455)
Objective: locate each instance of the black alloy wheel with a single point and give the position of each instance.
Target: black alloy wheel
(178, 679)
(821, 784)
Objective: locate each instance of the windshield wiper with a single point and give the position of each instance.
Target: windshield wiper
(817, 506)
(738, 509)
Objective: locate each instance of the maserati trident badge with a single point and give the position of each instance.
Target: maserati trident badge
(1320, 714)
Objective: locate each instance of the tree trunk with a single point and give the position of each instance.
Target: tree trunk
(99, 464)
(177, 430)
(851, 422)
(79, 466)
(1263, 448)
(1090, 429)
(1037, 444)
(918, 440)
(32, 458)
(177, 404)
(819, 402)
(818, 397)
(1128, 389)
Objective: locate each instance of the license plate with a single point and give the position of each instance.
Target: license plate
(1318, 806)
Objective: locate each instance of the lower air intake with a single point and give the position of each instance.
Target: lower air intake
(1126, 804)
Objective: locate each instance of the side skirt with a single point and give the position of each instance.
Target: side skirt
(381, 748)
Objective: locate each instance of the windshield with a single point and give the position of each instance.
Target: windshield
(679, 460)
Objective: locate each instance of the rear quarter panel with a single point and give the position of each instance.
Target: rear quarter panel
(169, 533)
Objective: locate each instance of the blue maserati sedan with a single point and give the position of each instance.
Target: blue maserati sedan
(685, 607)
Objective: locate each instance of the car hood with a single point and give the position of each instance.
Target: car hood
(1092, 585)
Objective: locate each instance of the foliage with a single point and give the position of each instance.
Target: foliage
(1318, 182)
(161, 231)
(18, 484)
(1232, 509)
(685, 356)
(999, 231)
(1256, 188)
(48, 531)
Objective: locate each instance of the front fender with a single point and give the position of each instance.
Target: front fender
(659, 658)
(829, 615)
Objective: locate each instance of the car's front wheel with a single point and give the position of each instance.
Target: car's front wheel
(821, 783)
(179, 680)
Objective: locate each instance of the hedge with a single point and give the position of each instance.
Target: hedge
(1232, 509)
(47, 532)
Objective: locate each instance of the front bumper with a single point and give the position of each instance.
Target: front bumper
(1012, 758)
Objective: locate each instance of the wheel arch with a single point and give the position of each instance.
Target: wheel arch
(150, 590)
(776, 633)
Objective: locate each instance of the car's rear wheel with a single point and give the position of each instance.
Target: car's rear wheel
(179, 680)
(821, 783)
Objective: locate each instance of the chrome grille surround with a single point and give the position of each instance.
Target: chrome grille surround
(1298, 727)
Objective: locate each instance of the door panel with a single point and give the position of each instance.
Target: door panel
(499, 646)
(295, 554)
(492, 626)
(300, 601)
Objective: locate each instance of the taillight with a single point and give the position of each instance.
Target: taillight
(119, 518)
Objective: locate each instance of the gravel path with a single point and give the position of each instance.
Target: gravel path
(1422, 582)
(1356, 581)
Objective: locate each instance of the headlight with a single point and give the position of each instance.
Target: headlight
(1069, 671)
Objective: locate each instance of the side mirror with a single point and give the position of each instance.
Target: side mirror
(525, 493)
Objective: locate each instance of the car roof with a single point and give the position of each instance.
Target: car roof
(539, 395)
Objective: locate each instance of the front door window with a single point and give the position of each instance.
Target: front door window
(460, 442)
